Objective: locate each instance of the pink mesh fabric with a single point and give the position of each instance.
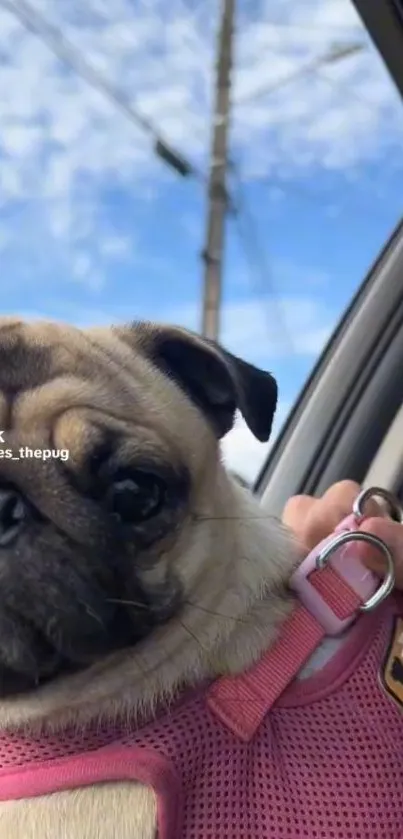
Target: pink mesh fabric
(327, 762)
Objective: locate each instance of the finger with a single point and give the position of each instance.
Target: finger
(344, 492)
(297, 508)
(392, 534)
(331, 509)
(336, 504)
(296, 513)
(341, 497)
(312, 519)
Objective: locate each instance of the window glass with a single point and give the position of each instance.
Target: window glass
(95, 226)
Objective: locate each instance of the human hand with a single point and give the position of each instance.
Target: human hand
(313, 519)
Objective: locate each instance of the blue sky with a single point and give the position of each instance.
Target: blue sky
(93, 228)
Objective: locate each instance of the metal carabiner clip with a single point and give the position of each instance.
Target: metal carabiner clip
(341, 539)
(395, 508)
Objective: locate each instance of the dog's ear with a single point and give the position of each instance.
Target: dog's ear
(216, 381)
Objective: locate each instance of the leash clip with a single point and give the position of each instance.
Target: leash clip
(330, 574)
(333, 551)
(381, 592)
(395, 508)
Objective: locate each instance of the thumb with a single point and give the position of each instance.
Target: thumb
(391, 533)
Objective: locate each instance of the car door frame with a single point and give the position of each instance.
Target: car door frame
(383, 20)
(351, 397)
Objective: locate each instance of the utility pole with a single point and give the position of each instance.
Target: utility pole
(217, 207)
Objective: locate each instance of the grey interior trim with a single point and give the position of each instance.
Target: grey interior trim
(377, 400)
(386, 469)
(384, 21)
(303, 458)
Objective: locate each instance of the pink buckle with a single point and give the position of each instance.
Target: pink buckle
(352, 571)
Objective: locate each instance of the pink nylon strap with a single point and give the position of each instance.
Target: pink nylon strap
(241, 702)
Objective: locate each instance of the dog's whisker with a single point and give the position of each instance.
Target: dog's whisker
(215, 614)
(140, 666)
(200, 518)
(192, 634)
(120, 602)
(94, 615)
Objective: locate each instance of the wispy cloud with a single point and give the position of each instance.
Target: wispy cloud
(62, 145)
(266, 327)
(250, 328)
(243, 453)
(73, 169)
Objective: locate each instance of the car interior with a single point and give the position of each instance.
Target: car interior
(348, 421)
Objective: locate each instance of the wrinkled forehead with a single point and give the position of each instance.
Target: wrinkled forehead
(52, 372)
(33, 355)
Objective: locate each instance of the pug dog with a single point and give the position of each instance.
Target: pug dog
(136, 565)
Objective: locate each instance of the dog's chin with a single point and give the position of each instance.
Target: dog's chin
(125, 632)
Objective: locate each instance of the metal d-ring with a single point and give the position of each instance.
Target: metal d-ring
(395, 507)
(386, 586)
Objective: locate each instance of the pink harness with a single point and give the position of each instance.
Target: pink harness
(260, 756)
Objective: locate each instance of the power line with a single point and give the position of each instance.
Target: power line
(217, 204)
(305, 27)
(346, 89)
(260, 270)
(335, 55)
(217, 193)
(36, 23)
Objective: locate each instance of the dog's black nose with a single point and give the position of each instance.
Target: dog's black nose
(12, 515)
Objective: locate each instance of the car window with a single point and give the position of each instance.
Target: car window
(95, 226)
(324, 199)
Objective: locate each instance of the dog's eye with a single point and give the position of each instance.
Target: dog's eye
(137, 497)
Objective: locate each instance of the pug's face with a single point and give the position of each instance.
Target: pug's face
(109, 446)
